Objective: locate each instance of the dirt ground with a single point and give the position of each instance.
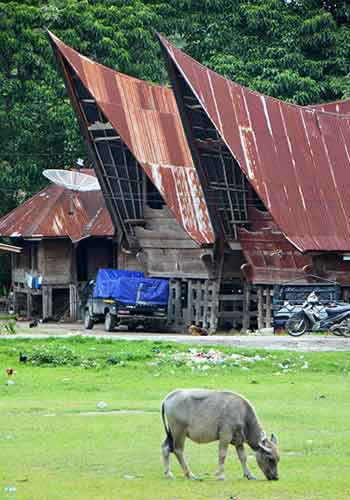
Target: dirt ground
(272, 342)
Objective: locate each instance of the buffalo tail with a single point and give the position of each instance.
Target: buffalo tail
(169, 436)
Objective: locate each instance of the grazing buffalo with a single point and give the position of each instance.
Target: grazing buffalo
(205, 416)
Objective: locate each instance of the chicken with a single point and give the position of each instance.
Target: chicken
(197, 330)
(10, 371)
(22, 358)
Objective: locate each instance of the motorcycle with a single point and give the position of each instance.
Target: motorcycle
(315, 317)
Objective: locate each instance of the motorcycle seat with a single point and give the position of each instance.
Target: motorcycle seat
(333, 311)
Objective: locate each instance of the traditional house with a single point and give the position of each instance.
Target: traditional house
(222, 190)
(65, 237)
(297, 160)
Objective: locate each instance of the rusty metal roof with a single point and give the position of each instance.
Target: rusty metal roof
(341, 107)
(271, 258)
(296, 158)
(56, 212)
(146, 118)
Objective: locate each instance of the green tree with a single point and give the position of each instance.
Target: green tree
(38, 129)
(296, 50)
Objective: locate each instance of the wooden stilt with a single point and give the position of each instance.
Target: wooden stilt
(260, 296)
(268, 308)
(190, 302)
(214, 307)
(246, 306)
(47, 302)
(73, 302)
(29, 304)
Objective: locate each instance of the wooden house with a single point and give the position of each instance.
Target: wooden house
(65, 237)
(218, 188)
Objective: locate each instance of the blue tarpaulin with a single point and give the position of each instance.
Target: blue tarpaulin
(130, 287)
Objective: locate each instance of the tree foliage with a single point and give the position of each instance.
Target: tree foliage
(297, 50)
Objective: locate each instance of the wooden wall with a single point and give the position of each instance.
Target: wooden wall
(167, 250)
(55, 261)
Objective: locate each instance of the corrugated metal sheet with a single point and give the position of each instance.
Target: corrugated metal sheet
(147, 119)
(341, 107)
(271, 258)
(296, 158)
(56, 212)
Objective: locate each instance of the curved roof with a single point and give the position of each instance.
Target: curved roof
(297, 158)
(341, 107)
(56, 212)
(147, 119)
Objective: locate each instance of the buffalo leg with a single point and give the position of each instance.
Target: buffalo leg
(223, 447)
(243, 459)
(166, 461)
(179, 444)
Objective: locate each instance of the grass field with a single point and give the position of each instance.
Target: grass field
(57, 444)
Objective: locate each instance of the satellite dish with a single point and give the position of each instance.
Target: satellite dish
(76, 181)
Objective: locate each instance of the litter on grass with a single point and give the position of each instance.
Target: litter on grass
(10, 489)
(203, 361)
(102, 405)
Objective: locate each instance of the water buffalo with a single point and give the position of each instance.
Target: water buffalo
(205, 416)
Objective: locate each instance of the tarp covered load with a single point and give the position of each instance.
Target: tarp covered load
(130, 287)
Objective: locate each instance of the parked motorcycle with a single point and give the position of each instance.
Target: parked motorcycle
(315, 317)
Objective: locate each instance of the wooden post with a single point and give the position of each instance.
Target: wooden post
(29, 304)
(246, 306)
(73, 302)
(198, 299)
(47, 302)
(176, 315)
(190, 302)
(15, 302)
(268, 308)
(216, 296)
(214, 306)
(205, 306)
(260, 294)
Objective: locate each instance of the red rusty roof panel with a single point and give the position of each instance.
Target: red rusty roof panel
(341, 107)
(271, 258)
(147, 119)
(296, 158)
(56, 212)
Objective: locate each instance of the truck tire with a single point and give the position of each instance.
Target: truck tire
(110, 322)
(88, 320)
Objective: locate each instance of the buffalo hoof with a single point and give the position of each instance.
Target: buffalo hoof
(192, 477)
(250, 477)
(169, 475)
(220, 477)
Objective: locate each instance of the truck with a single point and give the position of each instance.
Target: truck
(123, 297)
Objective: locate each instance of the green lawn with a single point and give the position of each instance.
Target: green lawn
(57, 444)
